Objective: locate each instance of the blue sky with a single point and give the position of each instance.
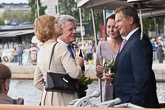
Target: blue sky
(13, 1)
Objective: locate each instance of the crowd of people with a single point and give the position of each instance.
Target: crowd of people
(24, 55)
(132, 76)
(155, 44)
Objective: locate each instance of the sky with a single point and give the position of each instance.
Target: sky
(13, 1)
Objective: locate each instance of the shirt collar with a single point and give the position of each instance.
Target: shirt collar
(130, 34)
(60, 41)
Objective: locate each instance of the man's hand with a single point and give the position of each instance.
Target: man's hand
(109, 77)
(99, 69)
(79, 61)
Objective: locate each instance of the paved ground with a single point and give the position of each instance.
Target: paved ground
(159, 69)
(27, 71)
(21, 71)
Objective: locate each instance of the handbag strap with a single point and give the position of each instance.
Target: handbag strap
(51, 55)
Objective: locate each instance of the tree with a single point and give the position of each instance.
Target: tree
(148, 25)
(34, 8)
(17, 16)
(70, 7)
(160, 22)
(1, 21)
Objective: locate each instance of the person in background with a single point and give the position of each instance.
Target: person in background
(47, 30)
(94, 53)
(26, 56)
(134, 79)
(108, 50)
(88, 52)
(12, 57)
(37, 49)
(164, 47)
(154, 46)
(67, 38)
(163, 41)
(33, 51)
(15, 54)
(23, 44)
(5, 77)
(20, 52)
(160, 44)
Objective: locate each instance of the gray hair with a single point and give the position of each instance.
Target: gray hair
(63, 18)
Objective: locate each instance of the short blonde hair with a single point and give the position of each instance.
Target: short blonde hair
(44, 27)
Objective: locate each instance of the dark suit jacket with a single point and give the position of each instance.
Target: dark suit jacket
(134, 79)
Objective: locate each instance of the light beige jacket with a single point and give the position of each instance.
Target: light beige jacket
(62, 62)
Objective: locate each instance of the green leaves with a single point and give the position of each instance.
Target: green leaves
(34, 9)
(109, 64)
(14, 15)
(85, 81)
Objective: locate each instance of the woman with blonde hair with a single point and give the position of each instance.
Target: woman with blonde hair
(47, 30)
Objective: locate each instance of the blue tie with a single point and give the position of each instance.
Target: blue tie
(70, 50)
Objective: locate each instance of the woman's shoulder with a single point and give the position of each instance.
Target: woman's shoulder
(103, 43)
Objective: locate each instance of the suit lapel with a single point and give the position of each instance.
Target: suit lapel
(120, 53)
(124, 49)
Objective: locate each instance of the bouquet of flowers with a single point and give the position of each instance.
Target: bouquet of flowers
(82, 85)
(109, 64)
(85, 80)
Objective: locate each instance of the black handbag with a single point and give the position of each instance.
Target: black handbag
(57, 82)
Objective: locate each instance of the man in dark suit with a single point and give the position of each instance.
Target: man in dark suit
(134, 79)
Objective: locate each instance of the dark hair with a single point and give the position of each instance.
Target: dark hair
(110, 17)
(5, 74)
(127, 12)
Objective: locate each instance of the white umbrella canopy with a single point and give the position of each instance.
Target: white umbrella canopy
(35, 40)
(149, 8)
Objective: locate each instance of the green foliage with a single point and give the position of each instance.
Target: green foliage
(99, 20)
(148, 24)
(70, 7)
(1, 21)
(34, 9)
(160, 20)
(18, 16)
(85, 81)
(109, 64)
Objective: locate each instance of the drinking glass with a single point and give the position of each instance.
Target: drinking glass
(102, 63)
(109, 68)
(76, 50)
